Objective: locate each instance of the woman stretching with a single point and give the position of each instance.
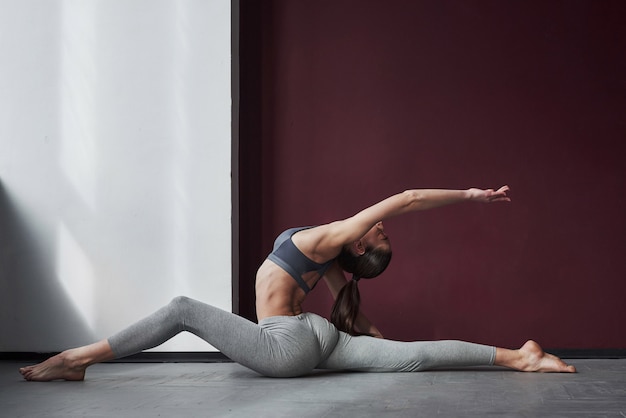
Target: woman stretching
(287, 342)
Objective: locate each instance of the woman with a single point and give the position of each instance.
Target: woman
(287, 342)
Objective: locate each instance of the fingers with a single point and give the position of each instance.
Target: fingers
(491, 195)
(499, 195)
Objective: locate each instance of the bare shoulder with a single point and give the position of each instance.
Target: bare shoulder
(320, 243)
(324, 242)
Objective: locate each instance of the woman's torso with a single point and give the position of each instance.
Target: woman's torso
(284, 279)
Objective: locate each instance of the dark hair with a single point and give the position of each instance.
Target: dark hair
(346, 308)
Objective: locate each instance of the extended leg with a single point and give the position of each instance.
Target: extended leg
(374, 354)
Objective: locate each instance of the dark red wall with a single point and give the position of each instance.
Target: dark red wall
(347, 102)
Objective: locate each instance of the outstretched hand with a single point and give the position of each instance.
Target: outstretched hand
(490, 195)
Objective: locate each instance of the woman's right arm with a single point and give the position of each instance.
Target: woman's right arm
(351, 229)
(325, 242)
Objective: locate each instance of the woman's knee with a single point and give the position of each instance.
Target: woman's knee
(180, 303)
(180, 300)
(178, 309)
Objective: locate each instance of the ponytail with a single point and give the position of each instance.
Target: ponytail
(346, 308)
(367, 266)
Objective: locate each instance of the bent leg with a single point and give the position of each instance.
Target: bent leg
(364, 353)
(284, 347)
(214, 325)
(281, 347)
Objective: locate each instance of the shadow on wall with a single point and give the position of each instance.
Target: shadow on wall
(31, 297)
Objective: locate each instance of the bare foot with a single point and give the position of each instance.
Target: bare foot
(57, 367)
(70, 364)
(531, 358)
(534, 359)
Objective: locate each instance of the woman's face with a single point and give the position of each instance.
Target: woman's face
(376, 238)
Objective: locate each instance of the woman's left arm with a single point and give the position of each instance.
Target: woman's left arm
(336, 280)
(362, 325)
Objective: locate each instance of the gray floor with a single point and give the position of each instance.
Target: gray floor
(230, 390)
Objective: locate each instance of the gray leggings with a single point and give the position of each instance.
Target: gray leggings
(289, 346)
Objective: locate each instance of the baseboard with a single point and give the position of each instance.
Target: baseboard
(592, 353)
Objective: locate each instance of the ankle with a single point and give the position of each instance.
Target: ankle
(522, 361)
(73, 360)
(85, 356)
(513, 359)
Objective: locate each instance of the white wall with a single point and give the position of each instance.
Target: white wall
(115, 153)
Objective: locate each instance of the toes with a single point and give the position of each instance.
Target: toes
(28, 372)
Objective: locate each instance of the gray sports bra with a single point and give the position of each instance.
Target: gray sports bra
(286, 255)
